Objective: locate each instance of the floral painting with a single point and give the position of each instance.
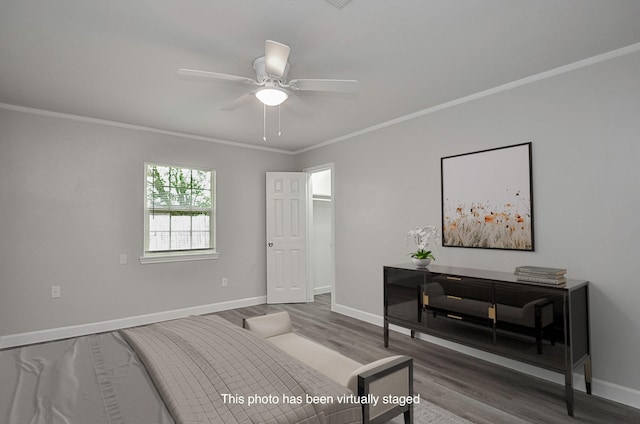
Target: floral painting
(487, 199)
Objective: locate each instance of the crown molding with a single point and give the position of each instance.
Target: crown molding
(633, 48)
(80, 118)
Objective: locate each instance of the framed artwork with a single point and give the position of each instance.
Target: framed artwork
(487, 199)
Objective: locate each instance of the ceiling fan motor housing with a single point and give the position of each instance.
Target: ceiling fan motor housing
(261, 73)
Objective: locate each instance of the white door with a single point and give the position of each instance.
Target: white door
(286, 237)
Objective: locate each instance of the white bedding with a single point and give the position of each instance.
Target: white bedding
(93, 379)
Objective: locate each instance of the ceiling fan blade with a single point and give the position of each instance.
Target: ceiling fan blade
(205, 75)
(276, 56)
(298, 107)
(337, 86)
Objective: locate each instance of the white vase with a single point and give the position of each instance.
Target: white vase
(421, 263)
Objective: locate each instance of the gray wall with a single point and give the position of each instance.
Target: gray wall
(585, 129)
(72, 201)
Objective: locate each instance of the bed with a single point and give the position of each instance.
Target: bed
(190, 370)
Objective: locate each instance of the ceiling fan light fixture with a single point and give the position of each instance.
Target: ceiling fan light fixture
(272, 95)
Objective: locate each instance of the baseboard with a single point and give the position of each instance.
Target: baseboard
(358, 314)
(321, 290)
(616, 393)
(601, 388)
(40, 336)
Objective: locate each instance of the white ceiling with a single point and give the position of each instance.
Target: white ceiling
(117, 60)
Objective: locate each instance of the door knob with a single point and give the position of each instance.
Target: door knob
(270, 244)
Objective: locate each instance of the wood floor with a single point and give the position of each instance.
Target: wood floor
(477, 390)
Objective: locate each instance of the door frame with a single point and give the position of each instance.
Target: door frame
(310, 170)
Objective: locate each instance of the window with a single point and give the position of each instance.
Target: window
(179, 213)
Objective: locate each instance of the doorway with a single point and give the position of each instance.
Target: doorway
(321, 233)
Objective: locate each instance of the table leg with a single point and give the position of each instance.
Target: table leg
(386, 333)
(587, 374)
(568, 390)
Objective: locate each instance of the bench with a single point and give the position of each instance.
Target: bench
(391, 376)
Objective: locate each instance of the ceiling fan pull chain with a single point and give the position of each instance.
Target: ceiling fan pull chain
(279, 132)
(264, 122)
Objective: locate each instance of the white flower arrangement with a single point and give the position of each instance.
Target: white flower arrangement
(421, 236)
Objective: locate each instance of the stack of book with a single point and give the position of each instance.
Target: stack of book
(539, 274)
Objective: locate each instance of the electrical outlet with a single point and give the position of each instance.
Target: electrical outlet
(56, 291)
(225, 282)
(123, 258)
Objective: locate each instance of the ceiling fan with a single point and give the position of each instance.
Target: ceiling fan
(272, 71)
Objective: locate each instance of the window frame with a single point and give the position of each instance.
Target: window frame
(180, 255)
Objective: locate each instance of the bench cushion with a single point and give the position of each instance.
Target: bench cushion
(269, 325)
(329, 362)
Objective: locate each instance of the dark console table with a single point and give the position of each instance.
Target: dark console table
(540, 324)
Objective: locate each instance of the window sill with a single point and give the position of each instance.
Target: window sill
(155, 258)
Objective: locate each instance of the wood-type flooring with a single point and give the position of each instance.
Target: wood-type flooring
(477, 390)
